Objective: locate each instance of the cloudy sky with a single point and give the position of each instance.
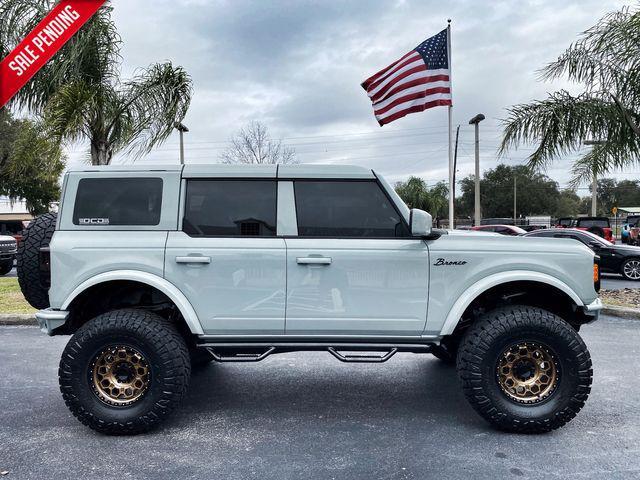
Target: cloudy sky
(297, 67)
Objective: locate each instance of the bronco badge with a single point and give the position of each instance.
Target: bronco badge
(442, 261)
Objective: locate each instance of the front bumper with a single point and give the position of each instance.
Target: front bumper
(50, 319)
(7, 255)
(592, 310)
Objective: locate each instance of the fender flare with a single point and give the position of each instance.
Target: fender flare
(481, 286)
(170, 290)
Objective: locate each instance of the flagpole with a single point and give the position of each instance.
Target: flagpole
(451, 166)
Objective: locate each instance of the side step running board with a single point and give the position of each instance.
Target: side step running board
(362, 358)
(359, 352)
(241, 356)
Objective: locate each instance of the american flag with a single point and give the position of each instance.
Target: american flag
(414, 83)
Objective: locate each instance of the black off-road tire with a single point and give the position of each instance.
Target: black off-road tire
(164, 350)
(33, 282)
(486, 341)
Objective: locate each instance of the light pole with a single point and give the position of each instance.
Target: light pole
(475, 121)
(594, 182)
(181, 128)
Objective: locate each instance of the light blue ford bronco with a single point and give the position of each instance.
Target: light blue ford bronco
(156, 271)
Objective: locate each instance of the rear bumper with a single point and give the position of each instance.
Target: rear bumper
(50, 319)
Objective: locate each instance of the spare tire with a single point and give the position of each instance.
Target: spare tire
(34, 277)
(597, 231)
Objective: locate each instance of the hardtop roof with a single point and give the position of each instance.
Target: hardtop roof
(243, 171)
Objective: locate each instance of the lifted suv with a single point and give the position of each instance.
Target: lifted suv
(157, 270)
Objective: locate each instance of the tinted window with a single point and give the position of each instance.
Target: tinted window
(10, 227)
(346, 209)
(230, 208)
(602, 223)
(118, 201)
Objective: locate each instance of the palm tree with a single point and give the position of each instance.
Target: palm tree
(79, 92)
(606, 61)
(416, 194)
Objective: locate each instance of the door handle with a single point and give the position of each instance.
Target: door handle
(193, 259)
(313, 260)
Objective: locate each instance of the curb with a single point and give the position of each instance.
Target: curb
(622, 312)
(18, 319)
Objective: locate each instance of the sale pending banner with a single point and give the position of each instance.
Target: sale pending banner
(42, 43)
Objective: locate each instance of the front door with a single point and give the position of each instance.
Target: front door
(353, 268)
(227, 259)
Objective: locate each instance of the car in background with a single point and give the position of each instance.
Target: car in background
(625, 233)
(597, 225)
(565, 222)
(8, 250)
(511, 230)
(620, 259)
(14, 228)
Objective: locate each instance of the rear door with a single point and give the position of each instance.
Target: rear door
(226, 258)
(352, 268)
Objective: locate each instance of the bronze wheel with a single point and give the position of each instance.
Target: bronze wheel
(120, 375)
(527, 372)
(524, 369)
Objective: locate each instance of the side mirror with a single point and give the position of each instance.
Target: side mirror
(421, 223)
(595, 245)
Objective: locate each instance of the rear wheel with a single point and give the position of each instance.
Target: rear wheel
(524, 369)
(124, 371)
(33, 279)
(631, 269)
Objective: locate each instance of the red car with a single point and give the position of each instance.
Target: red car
(501, 229)
(597, 225)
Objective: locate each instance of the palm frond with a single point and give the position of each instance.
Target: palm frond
(560, 124)
(149, 107)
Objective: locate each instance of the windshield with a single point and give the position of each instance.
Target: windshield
(594, 222)
(565, 222)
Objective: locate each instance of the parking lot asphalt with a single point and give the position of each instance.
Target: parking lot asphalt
(617, 282)
(305, 415)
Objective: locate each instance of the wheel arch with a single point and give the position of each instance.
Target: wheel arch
(504, 280)
(159, 284)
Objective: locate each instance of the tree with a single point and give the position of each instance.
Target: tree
(30, 163)
(80, 94)
(537, 194)
(569, 204)
(253, 144)
(416, 194)
(606, 61)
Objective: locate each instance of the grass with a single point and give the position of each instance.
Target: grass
(11, 299)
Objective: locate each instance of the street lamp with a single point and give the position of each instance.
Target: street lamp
(594, 183)
(181, 128)
(475, 121)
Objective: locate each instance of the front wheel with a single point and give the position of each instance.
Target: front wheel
(631, 269)
(524, 369)
(124, 371)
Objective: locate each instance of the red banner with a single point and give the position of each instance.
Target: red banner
(42, 43)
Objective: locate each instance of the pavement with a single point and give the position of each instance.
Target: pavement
(306, 415)
(610, 281)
